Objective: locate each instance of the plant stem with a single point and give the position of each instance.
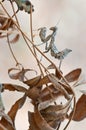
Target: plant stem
(31, 29)
(11, 50)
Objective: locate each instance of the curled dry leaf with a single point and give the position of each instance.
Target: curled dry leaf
(41, 122)
(59, 109)
(58, 86)
(80, 112)
(48, 92)
(8, 27)
(35, 91)
(12, 114)
(45, 104)
(55, 114)
(20, 75)
(73, 75)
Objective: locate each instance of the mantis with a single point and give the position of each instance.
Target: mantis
(50, 39)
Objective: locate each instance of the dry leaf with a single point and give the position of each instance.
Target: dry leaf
(13, 87)
(33, 82)
(55, 114)
(59, 109)
(73, 75)
(7, 26)
(80, 112)
(33, 125)
(40, 121)
(58, 86)
(16, 106)
(34, 93)
(12, 114)
(6, 117)
(43, 81)
(47, 91)
(2, 127)
(45, 104)
(20, 75)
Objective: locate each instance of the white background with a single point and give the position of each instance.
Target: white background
(71, 34)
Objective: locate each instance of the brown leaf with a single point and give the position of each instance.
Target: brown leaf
(33, 82)
(6, 23)
(59, 109)
(55, 124)
(6, 118)
(55, 114)
(6, 124)
(12, 114)
(18, 104)
(43, 81)
(47, 91)
(50, 91)
(38, 81)
(13, 87)
(45, 104)
(41, 122)
(53, 119)
(20, 75)
(2, 127)
(73, 75)
(33, 125)
(58, 86)
(33, 93)
(80, 112)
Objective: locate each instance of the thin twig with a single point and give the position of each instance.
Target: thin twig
(11, 50)
(31, 29)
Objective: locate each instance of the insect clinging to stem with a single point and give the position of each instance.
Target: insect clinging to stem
(50, 39)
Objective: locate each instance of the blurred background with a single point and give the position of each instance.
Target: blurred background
(71, 18)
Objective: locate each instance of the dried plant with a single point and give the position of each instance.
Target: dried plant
(45, 88)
